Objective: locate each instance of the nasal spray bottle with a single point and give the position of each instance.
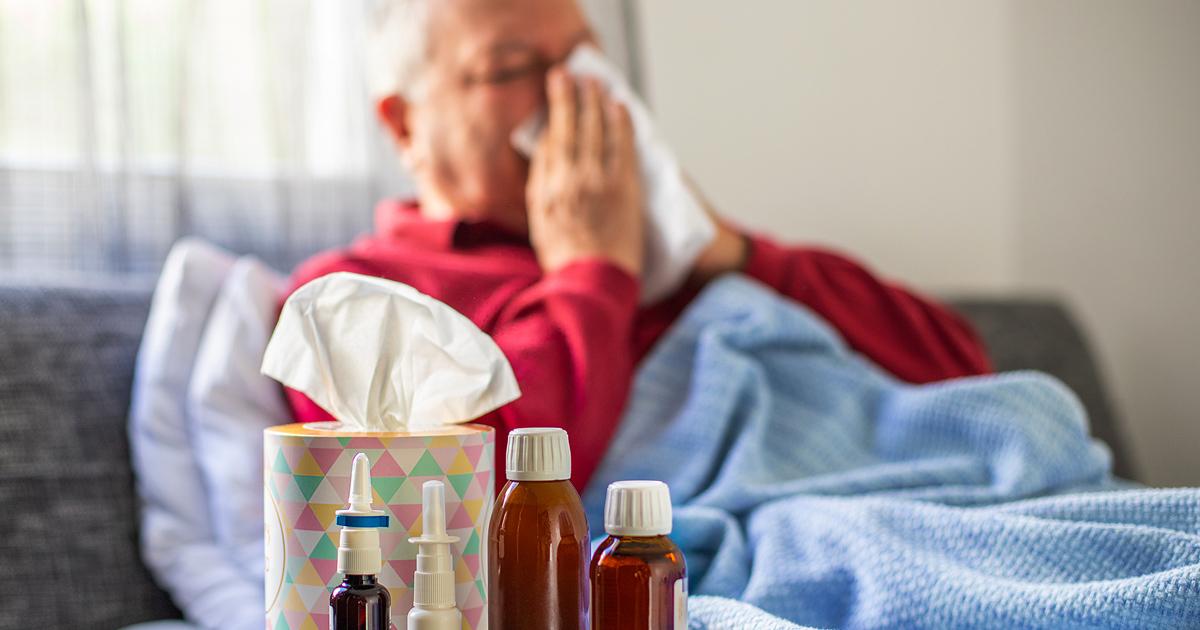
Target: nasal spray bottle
(433, 584)
(360, 602)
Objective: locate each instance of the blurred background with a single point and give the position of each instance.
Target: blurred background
(990, 147)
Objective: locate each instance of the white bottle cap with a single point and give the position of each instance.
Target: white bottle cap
(538, 454)
(638, 508)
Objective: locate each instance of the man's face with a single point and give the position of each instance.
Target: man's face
(486, 74)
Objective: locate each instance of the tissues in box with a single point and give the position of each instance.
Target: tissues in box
(307, 479)
(400, 370)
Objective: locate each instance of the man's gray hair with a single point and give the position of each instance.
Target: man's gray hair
(398, 47)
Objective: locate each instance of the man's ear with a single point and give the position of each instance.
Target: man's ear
(393, 112)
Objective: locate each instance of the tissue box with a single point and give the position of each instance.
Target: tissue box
(306, 479)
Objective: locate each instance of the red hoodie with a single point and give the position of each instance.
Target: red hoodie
(574, 336)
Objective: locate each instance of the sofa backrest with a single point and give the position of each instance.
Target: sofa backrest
(68, 512)
(1041, 334)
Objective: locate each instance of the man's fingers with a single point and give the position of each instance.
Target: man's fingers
(591, 123)
(537, 162)
(620, 155)
(560, 91)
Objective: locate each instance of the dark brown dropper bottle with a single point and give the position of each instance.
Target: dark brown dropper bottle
(538, 543)
(639, 578)
(360, 602)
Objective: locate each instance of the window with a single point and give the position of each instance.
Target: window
(125, 124)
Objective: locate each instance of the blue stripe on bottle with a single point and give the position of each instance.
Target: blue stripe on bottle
(349, 520)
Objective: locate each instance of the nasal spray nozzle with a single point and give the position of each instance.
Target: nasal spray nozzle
(433, 584)
(360, 597)
(358, 549)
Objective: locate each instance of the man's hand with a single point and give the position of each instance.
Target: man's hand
(585, 192)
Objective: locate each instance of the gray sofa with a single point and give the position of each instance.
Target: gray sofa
(68, 512)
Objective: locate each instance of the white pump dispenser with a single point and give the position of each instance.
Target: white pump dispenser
(433, 584)
(358, 549)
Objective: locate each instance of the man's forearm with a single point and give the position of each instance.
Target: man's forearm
(912, 337)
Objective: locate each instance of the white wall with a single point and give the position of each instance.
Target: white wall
(876, 126)
(1108, 199)
(1029, 145)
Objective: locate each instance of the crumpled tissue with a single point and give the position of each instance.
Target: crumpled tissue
(677, 227)
(381, 356)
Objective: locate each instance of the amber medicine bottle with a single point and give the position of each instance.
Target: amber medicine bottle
(639, 579)
(538, 544)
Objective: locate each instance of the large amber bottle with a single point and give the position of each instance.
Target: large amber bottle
(538, 542)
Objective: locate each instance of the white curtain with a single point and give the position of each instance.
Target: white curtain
(125, 124)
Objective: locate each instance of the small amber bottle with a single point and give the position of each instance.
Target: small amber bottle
(538, 543)
(639, 579)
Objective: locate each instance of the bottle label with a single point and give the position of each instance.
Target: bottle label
(681, 616)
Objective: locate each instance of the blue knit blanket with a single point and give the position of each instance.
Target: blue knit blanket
(813, 489)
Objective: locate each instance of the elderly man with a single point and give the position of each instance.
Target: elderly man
(545, 254)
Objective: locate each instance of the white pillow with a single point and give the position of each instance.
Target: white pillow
(177, 537)
(229, 404)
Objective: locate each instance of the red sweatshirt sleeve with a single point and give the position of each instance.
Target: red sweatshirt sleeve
(910, 336)
(568, 338)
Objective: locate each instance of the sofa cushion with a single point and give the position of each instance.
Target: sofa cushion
(179, 541)
(229, 403)
(66, 490)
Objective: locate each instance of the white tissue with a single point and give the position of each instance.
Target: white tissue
(677, 227)
(381, 356)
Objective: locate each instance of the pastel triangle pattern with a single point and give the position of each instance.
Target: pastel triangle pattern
(444, 441)
(295, 617)
(426, 466)
(386, 466)
(309, 539)
(307, 479)
(291, 453)
(327, 493)
(445, 457)
(460, 465)
(386, 487)
(408, 493)
(325, 457)
(460, 520)
(308, 484)
(460, 482)
(308, 520)
(472, 451)
(326, 513)
(307, 465)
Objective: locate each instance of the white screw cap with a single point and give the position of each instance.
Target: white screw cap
(538, 454)
(638, 508)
